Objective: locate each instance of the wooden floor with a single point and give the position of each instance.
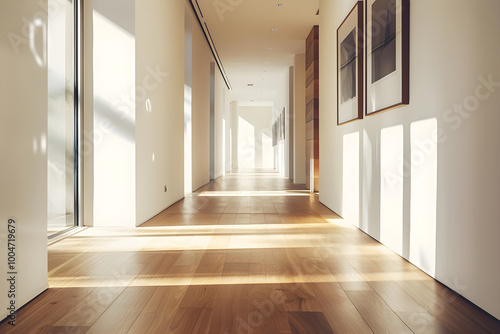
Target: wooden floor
(248, 253)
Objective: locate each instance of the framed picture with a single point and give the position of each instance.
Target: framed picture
(275, 133)
(280, 129)
(350, 66)
(387, 54)
(283, 116)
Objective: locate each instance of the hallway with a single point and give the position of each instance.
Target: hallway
(248, 253)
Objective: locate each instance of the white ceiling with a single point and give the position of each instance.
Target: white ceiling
(249, 49)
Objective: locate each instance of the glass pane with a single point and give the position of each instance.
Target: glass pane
(60, 62)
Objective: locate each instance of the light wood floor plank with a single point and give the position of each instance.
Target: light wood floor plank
(120, 316)
(247, 253)
(376, 313)
(338, 309)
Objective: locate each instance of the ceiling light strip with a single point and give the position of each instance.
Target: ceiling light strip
(198, 5)
(211, 44)
(215, 49)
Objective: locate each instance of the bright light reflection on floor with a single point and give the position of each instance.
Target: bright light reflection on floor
(185, 242)
(242, 238)
(195, 279)
(285, 193)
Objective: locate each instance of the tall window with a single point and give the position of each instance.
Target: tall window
(62, 163)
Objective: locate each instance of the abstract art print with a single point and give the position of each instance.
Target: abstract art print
(387, 54)
(383, 40)
(350, 66)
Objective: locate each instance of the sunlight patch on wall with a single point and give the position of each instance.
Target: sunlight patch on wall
(423, 195)
(114, 123)
(246, 144)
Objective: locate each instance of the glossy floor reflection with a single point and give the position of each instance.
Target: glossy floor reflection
(248, 253)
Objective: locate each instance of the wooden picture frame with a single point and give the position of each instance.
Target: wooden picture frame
(387, 55)
(350, 75)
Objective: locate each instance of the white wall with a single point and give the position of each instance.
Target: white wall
(299, 119)
(200, 108)
(227, 135)
(290, 122)
(221, 125)
(188, 99)
(133, 131)
(281, 151)
(23, 147)
(446, 187)
(234, 134)
(284, 98)
(159, 133)
(254, 143)
(114, 112)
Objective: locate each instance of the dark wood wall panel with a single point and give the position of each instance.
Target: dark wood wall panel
(312, 149)
(312, 72)
(312, 130)
(313, 35)
(312, 53)
(312, 91)
(312, 109)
